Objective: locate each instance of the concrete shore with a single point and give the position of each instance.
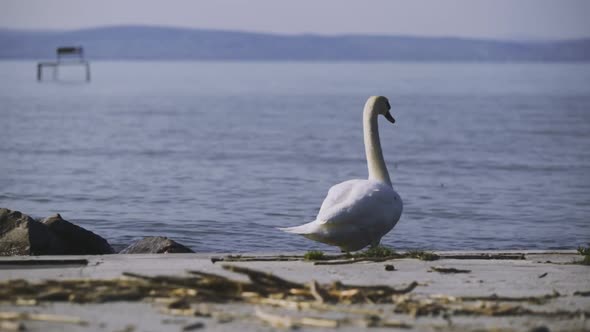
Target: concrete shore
(549, 275)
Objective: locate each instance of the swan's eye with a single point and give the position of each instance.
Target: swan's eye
(387, 104)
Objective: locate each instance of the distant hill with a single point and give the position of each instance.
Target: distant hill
(160, 43)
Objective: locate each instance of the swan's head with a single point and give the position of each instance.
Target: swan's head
(381, 105)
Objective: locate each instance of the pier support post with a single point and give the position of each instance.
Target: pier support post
(87, 72)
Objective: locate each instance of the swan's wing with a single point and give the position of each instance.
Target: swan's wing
(357, 201)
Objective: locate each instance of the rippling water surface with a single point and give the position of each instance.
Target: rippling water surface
(216, 155)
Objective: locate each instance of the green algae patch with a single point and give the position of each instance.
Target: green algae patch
(422, 255)
(376, 252)
(314, 255)
(584, 251)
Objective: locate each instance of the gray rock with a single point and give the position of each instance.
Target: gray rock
(78, 240)
(155, 245)
(22, 235)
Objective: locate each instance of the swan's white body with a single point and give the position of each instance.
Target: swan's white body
(358, 213)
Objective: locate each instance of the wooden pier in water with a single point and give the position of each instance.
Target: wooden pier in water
(66, 56)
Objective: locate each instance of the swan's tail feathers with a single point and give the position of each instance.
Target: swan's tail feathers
(308, 228)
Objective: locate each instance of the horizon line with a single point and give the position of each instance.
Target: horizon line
(314, 34)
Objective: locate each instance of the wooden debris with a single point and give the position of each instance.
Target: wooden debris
(355, 260)
(395, 324)
(46, 263)
(507, 256)
(531, 299)
(7, 315)
(279, 258)
(381, 255)
(447, 305)
(274, 320)
(447, 270)
(283, 321)
(263, 278)
(318, 294)
(318, 322)
(12, 326)
(193, 326)
(582, 293)
(543, 275)
(378, 321)
(191, 296)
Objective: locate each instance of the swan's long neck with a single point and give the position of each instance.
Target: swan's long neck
(375, 161)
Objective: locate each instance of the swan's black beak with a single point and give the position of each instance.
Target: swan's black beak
(389, 117)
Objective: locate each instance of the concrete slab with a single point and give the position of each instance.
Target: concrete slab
(540, 273)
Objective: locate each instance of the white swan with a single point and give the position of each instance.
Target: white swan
(358, 213)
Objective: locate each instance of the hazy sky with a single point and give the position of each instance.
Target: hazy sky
(465, 18)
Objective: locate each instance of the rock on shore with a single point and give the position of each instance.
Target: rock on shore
(156, 245)
(78, 240)
(22, 235)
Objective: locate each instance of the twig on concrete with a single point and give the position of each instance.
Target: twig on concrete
(531, 299)
(274, 320)
(8, 315)
(12, 326)
(582, 293)
(355, 260)
(447, 270)
(507, 256)
(263, 278)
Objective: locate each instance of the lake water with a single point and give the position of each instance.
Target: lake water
(217, 155)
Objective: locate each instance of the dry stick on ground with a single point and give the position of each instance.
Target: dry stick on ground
(193, 326)
(531, 299)
(36, 262)
(12, 326)
(441, 305)
(305, 305)
(582, 293)
(280, 258)
(447, 270)
(346, 259)
(215, 289)
(274, 320)
(282, 321)
(206, 275)
(289, 322)
(263, 278)
(41, 317)
(483, 256)
(318, 293)
(356, 260)
(203, 310)
(378, 288)
(255, 259)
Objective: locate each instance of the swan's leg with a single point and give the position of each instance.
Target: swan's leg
(375, 244)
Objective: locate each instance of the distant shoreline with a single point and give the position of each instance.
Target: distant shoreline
(180, 44)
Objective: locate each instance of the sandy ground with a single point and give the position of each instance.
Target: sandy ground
(541, 273)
